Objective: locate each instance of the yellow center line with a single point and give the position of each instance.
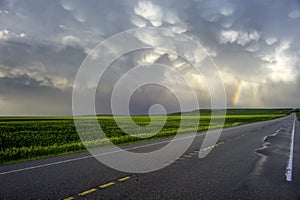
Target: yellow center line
(210, 147)
(87, 192)
(124, 178)
(106, 185)
(128, 177)
(207, 148)
(219, 144)
(69, 198)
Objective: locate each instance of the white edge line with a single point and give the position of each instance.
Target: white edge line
(110, 152)
(289, 167)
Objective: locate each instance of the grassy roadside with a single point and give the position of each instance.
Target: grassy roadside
(28, 138)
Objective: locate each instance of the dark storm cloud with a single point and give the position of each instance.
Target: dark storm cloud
(42, 44)
(24, 93)
(16, 53)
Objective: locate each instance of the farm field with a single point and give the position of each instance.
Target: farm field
(26, 138)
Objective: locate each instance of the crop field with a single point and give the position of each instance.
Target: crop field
(26, 138)
(298, 115)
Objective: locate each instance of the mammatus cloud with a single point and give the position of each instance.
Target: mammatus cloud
(239, 37)
(254, 43)
(149, 11)
(294, 14)
(271, 40)
(38, 73)
(158, 16)
(138, 21)
(3, 12)
(7, 35)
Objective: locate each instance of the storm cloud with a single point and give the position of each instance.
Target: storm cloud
(255, 45)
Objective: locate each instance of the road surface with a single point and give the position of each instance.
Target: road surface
(252, 161)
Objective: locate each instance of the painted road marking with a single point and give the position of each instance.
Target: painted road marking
(124, 178)
(207, 148)
(220, 143)
(131, 148)
(189, 155)
(101, 186)
(69, 198)
(106, 185)
(87, 192)
(211, 147)
(289, 168)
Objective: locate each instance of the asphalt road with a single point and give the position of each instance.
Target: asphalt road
(248, 162)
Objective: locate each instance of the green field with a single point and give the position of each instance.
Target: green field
(26, 138)
(298, 115)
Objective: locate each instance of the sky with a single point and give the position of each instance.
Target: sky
(255, 45)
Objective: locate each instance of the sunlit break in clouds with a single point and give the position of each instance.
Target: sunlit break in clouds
(255, 45)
